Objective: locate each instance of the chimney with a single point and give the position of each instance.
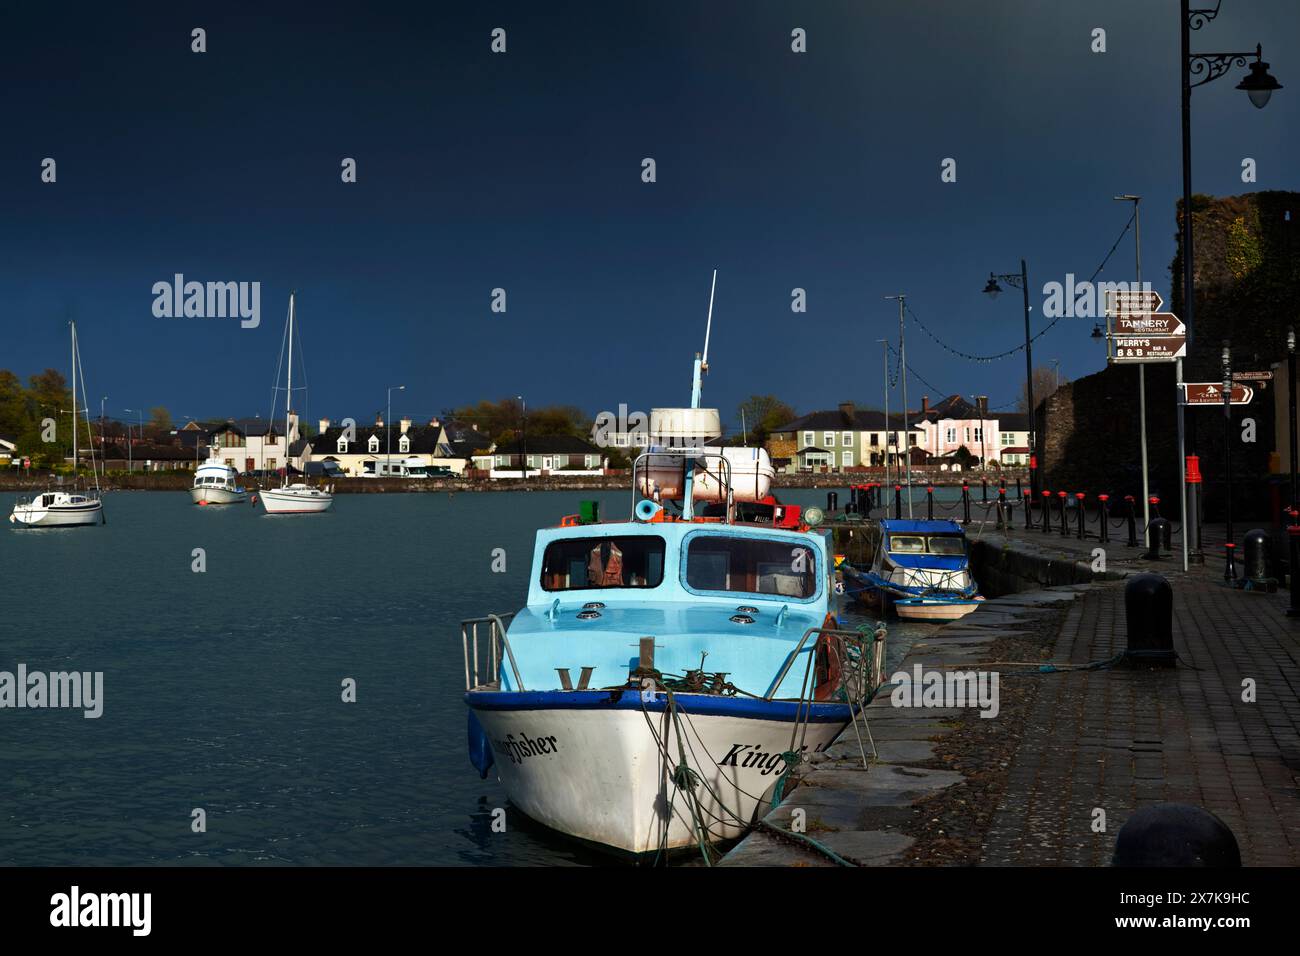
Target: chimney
(324, 425)
(405, 423)
(925, 405)
(475, 427)
(846, 411)
(433, 422)
(379, 420)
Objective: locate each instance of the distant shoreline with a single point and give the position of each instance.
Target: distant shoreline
(181, 481)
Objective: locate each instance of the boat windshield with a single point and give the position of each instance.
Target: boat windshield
(633, 561)
(920, 544)
(751, 566)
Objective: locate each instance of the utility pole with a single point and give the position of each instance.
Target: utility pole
(885, 381)
(902, 364)
(1142, 375)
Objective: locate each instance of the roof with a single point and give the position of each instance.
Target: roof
(422, 440)
(862, 420)
(820, 451)
(1016, 450)
(920, 526)
(551, 445)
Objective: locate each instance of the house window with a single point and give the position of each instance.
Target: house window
(952, 435)
(620, 441)
(912, 439)
(967, 433)
(342, 446)
(846, 459)
(875, 439)
(829, 439)
(1008, 439)
(270, 464)
(404, 444)
(846, 439)
(979, 435)
(807, 439)
(373, 444)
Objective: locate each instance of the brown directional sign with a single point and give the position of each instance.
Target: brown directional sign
(1149, 323)
(1211, 393)
(1252, 376)
(1137, 349)
(1122, 302)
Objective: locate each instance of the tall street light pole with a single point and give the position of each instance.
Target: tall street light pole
(885, 381)
(388, 433)
(1259, 86)
(1291, 407)
(992, 289)
(523, 413)
(1230, 569)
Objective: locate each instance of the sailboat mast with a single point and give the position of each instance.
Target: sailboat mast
(288, 393)
(74, 398)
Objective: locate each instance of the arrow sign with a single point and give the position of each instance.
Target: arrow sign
(1149, 323)
(1138, 349)
(1120, 302)
(1252, 376)
(1211, 393)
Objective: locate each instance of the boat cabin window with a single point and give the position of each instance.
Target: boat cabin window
(751, 566)
(921, 544)
(635, 561)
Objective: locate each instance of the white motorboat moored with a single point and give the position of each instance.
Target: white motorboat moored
(59, 509)
(216, 483)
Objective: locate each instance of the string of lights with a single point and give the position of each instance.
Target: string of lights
(1047, 328)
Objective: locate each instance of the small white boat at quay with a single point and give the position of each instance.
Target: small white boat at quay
(294, 498)
(57, 507)
(216, 483)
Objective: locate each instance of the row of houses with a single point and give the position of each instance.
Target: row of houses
(849, 438)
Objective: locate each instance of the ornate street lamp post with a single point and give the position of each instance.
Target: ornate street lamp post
(1021, 281)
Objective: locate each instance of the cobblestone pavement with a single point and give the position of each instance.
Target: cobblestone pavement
(1119, 739)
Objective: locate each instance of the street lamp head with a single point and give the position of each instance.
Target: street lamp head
(1259, 84)
(1290, 338)
(992, 289)
(1227, 353)
(1096, 331)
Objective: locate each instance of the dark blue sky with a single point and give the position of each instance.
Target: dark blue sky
(522, 171)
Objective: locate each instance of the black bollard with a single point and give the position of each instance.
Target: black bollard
(965, 502)
(898, 502)
(1103, 514)
(1149, 616)
(984, 485)
(1175, 834)
(1065, 528)
(1047, 511)
(929, 502)
(1293, 565)
(1078, 496)
(1255, 547)
(1158, 533)
(1029, 509)
(1018, 494)
(1132, 521)
(1003, 523)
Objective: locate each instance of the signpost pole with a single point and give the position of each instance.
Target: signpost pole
(1182, 456)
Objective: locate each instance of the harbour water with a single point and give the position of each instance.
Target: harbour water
(223, 687)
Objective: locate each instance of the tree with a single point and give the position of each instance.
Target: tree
(160, 418)
(504, 420)
(1045, 381)
(763, 414)
(13, 404)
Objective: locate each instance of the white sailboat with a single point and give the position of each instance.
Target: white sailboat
(296, 497)
(56, 507)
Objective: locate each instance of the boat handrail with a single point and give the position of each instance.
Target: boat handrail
(496, 638)
(877, 662)
(688, 451)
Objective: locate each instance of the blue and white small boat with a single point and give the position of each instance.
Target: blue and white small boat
(921, 569)
(667, 670)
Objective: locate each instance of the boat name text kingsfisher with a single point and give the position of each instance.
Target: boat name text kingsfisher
(517, 751)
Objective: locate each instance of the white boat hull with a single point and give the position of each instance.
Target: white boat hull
(601, 774)
(57, 516)
(217, 496)
(922, 610)
(295, 500)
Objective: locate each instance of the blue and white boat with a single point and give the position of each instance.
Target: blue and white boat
(921, 569)
(666, 670)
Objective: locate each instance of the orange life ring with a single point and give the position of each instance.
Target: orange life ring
(828, 661)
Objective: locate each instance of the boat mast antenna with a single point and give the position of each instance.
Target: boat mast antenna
(697, 382)
(902, 363)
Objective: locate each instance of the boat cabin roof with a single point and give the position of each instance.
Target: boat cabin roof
(920, 526)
